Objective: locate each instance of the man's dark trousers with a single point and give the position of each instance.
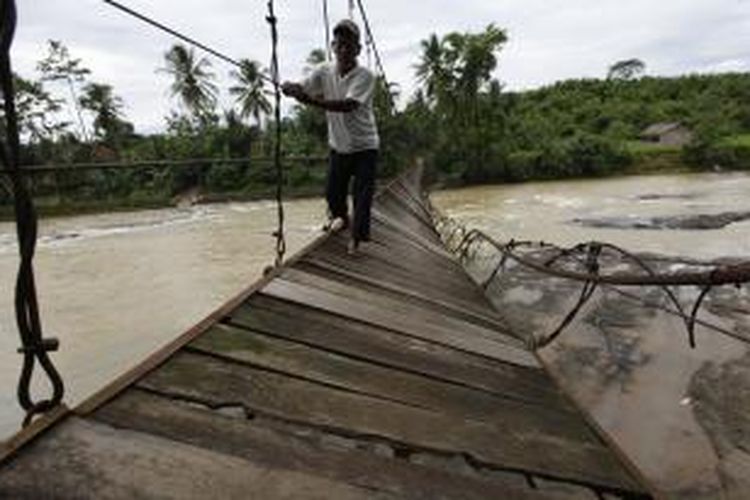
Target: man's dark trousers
(361, 165)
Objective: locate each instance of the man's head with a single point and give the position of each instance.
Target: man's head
(346, 44)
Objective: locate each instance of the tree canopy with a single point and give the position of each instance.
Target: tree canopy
(193, 81)
(626, 70)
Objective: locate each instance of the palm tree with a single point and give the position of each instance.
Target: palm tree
(314, 58)
(249, 92)
(476, 53)
(99, 99)
(386, 95)
(431, 71)
(192, 81)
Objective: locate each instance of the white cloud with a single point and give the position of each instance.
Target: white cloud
(549, 39)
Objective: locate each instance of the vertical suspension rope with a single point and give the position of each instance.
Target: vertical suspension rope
(34, 346)
(368, 51)
(378, 62)
(351, 10)
(327, 24)
(279, 233)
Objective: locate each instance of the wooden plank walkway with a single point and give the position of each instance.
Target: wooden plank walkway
(384, 375)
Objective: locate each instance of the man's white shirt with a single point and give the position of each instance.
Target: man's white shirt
(356, 130)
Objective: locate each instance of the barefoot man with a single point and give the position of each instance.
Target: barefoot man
(345, 91)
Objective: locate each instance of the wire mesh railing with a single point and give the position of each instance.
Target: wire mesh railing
(674, 285)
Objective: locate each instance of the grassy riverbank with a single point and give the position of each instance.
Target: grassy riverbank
(53, 206)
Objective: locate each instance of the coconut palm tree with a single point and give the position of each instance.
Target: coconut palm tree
(386, 95)
(107, 109)
(431, 71)
(192, 81)
(476, 56)
(250, 92)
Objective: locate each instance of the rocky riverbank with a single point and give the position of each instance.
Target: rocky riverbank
(693, 221)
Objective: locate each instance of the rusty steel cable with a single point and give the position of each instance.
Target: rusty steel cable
(378, 62)
(664, 282)
(727, 274)
(279, 233)
(179, 35)
(593, 278)
(35, 348)
(714, 275)
(327, 27)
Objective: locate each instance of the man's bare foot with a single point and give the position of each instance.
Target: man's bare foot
(336, 224)
(352, 248)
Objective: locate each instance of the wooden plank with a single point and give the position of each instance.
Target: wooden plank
(88, 460)
(372, 265)
(34, 430)
(480, 315)
(359, 340)
(406, 209)
(412, 322)
(409, 259)
(385, 263)
(573, 490)
(392, 304)
(415, 198)
(412, 205)
(395, 236)
(431, 245)
(399, 198)
(413, 230)
(400, 278)
(338, 458)
(216, 383)
(388, 383)
(394, 244)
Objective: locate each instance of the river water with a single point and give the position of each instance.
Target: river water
(115, 287)
(544, 211)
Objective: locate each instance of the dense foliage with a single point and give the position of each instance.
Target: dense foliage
(572, 128)
(460, 121)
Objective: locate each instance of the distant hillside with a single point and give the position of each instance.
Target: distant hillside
(711, 105)
(591, 127)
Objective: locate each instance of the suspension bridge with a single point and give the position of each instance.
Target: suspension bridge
(386, 375)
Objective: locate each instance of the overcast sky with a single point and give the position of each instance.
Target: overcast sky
(549, 40)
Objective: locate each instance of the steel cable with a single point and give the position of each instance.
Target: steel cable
(378, 62)
(179, 35)
(715, 275)
(327, 24)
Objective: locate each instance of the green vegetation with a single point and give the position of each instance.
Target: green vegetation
(460, 121)
(738, 141)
